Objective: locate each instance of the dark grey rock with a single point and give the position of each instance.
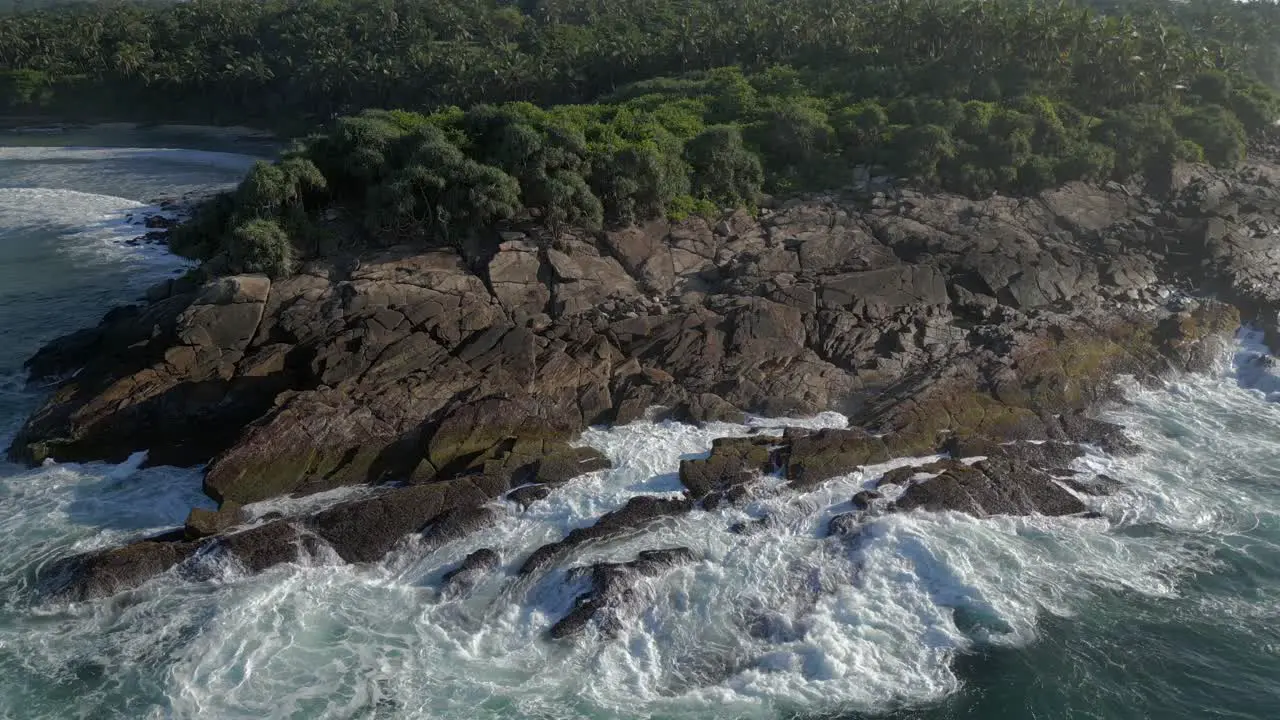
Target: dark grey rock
(612, 596)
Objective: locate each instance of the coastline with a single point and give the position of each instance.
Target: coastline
(234, 148)
(664, 360)
(260, 539)
(476, 384)
(34, 132)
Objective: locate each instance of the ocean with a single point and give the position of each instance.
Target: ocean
(1166, 606)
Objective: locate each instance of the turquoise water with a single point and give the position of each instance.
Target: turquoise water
(1168, 608)
(1207, 645)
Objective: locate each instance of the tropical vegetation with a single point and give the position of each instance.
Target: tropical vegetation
(590, 113)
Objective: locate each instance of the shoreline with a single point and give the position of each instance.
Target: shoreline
(842, 478)
(552, 342)
(30, 132)
(52, 125)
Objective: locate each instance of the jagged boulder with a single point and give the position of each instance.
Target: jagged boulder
(613, 596)
(1002, 486)
(470, 570)
(732, 464)
(635, 515)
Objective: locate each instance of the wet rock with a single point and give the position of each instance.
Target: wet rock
(1041, 454)
(815, 457)
(899, 476)
(528, 495)
(639, 512)
(458, 522)
(1097, 485)
(558, 467)
(104, 573)
(996, 486)
(362, 530)
(845, 524)
(1195, 340)
(472, 568)
(107, 572)
(733, 463)
(709, 407)
(203, 523)
(158, 377)
(1108, 437)
(751, 527)
(863, 499)
(160, 222)
(365, 530)
(613, 597)
(66, 354)
(730, 496)
(261, 547)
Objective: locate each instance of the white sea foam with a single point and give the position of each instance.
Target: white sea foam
(96, 227)
(779, 621)
(768, 623)
(765, 624)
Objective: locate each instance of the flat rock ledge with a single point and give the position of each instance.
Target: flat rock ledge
(448, 381)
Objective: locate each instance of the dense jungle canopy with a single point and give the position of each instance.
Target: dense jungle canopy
(589, 113)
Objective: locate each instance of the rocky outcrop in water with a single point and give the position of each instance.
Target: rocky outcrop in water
(446, 379)
(613, 595)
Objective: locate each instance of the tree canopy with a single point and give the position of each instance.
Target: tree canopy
(587, 113)
(301, 62)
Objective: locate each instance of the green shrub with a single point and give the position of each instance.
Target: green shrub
(794, 134)
(1215, 129)
(1211, 87)
(1089, 161)
(684, 207)
(260, 246)
(904, 111)
(1188, 151)
(946, 113)
(1143, 138)
(1036, 173)
(1257, 107)
(724, 170)
(921, 148)
(860, 130)
(201, 236)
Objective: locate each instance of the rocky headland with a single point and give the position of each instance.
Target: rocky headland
(451, 380)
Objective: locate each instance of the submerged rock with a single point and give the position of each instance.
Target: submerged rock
(751, 527)
(845, 524)
(863, 499)
(996, 486)
(103, 573)
(470, 570)
(106, 572)
(613, 597)
(635, 515)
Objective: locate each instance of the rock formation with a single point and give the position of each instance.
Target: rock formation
(448, 379)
